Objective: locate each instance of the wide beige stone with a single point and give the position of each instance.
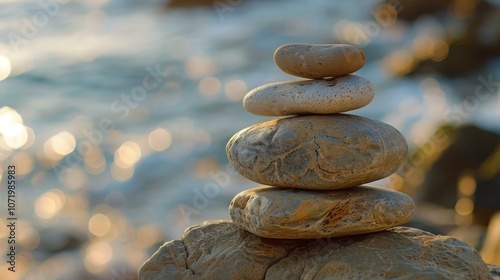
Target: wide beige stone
(299, 214)
(219, 250)
(320, 60)
(340, 94)
(321, 152)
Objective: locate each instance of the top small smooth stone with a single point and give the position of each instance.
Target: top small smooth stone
(319, 61)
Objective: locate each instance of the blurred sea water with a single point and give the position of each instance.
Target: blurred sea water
(116, 115)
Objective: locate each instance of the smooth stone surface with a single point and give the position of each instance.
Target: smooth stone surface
(320, 152)
(219, 250)
(338, 95)
(300, 214)
(319, 61)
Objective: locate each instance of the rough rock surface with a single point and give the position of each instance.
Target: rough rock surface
(321, 152)
(301, 97)
(319, 61)
(300, 214)
(220, 250)
(495, 271)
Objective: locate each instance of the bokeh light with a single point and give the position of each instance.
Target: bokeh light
(97, 255)
(99, 225)
(147, 235)
(464, 206)
(59, 145)
(159, 139)
(422, 46)
(5, 67)
(29, 237)
(209, 87)
(31, 138)
(15, 136)
(8, 116)
(399, 63)
(24, 163)
(14, 133)
(94, 161)
(50, 203)
(204, 167)
(120, 173)
(127, 154)
(386, 15)
(74, 178)
(397, 182)
(235, 90)
(439, 50)
(200, 66)
(467, 185)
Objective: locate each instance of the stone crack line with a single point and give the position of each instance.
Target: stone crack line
(318, 157)
(187, 256)
(280, 259)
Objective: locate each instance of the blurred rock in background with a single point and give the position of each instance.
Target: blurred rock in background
(467, 169)
(471, 39)
(455, 175)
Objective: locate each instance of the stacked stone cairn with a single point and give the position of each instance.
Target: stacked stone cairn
(314, 161)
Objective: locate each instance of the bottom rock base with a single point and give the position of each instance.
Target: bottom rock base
(220, 250)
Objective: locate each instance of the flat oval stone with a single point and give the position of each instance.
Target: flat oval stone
(288, 213)
(319, 152)
(341, 94)
(319, 61)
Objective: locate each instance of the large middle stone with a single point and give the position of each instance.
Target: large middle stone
(317, 152)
